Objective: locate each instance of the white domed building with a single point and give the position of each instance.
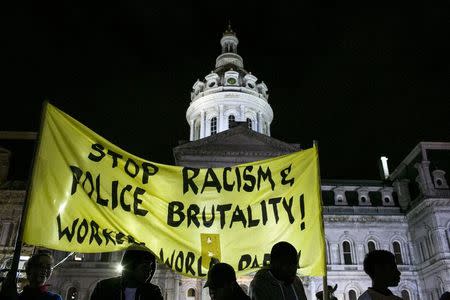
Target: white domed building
(228, 94)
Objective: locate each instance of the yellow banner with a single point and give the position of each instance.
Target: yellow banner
(88, 195)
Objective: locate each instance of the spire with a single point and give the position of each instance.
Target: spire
(229, 40)
(229, 31)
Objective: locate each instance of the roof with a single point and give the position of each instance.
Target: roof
(233, 146)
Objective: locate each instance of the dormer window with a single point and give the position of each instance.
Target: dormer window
(231, 119)
(214, 125)
(231, 80)
(231, 77)
(249, 123)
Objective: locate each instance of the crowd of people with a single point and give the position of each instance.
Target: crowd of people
(279, 281)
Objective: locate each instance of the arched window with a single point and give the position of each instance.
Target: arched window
(231, 119)
(371, 246)
(214, 125)
(191, 293)
(405, 295)
(352, 295)
(397, 253)
(347, 253)
(196, 130)
(72, 294)
(249, 123)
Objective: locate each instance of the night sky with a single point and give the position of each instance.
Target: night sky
(363, 78)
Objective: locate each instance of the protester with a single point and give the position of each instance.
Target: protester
(38, 269)
(139, 265)
(381, 267)
(331, 291)
(222, 283)
(280, 280)
(445, 296)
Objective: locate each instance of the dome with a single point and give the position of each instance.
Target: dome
(228, 94)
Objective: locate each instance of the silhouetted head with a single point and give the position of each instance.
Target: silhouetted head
(331, 290)
(283, 262)
(138, 265)
(221, 282)
(39, 268)
(445, 296)
(381, 267)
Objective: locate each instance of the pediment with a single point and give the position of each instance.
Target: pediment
(238, 140)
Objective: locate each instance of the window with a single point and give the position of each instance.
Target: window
(214, 125)
(249, 123)
(371, 246)
(422, 251)
(352, 295)
(397, 253)
(347, 253)
(105, 257)
(191, 293)
(231, 119)
(363, 199)
(72, 294)
(196, 130)
(405, 295)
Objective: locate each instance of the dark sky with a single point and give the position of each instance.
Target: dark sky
(363, 78)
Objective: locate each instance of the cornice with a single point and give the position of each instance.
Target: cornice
(425, 205)
(363, 219)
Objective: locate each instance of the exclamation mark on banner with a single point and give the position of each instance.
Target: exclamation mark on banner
(302, 211)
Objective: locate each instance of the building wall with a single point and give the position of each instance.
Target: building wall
(421, 228)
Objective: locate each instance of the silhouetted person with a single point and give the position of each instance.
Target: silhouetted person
(381, 267)
(38, 269)
(138, 269)
(331, 290)
(445, 296)
(222, 283)
(280, 280)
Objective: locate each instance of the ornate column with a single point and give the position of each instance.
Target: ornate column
(4, 233)
(260, 122)
(221, 121)
(334, 252)
(12, 237)
(242, 111)
(202, 124)
(441, 238)
(403, 192)
(359, 254)
(191, 137)
(177, 285)
(425, 178)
